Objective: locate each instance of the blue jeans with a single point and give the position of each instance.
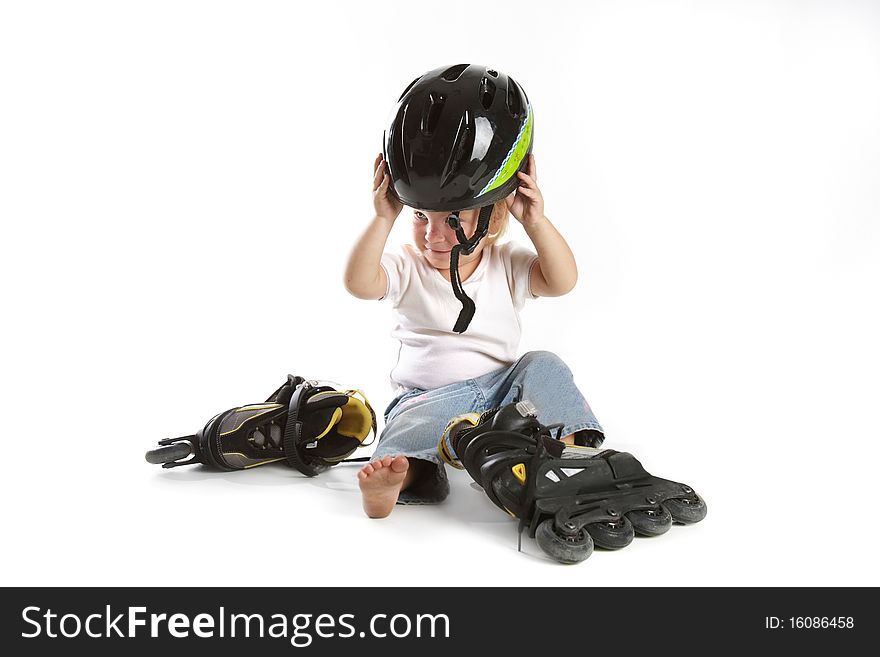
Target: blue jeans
(416, 418)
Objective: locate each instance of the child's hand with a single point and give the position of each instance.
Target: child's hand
(527, 202)
(386, 204)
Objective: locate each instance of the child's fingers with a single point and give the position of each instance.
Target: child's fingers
(377, 176)
(526, 180)
(533, 168)
(527, 187)
(379, 164)
(382, 186)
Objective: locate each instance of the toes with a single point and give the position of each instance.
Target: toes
(395, 463)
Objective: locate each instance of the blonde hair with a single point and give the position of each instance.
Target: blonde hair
(497, 222)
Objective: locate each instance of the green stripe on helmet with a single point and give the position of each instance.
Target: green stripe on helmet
(515, 157)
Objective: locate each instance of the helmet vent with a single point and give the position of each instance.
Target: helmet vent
(452, 73)
(431, 113)
(487, 92)
(514, 102)
(493, 73)
(463, 143)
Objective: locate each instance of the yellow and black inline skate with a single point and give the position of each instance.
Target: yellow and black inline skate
(308, 426)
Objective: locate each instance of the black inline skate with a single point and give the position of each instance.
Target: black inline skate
(310, 427)
(569, 498)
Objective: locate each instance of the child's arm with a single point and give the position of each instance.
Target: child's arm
(364, 277)
(555, 273)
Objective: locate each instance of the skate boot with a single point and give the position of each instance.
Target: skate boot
(568, 498)
(310, 427)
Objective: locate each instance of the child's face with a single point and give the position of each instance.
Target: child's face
(435, 239)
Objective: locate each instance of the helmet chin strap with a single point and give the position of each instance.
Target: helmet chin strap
(465, 246)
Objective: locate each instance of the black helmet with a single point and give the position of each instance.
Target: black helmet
(458, 138)
(459, 135)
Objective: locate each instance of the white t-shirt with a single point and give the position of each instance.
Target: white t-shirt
(425, 310)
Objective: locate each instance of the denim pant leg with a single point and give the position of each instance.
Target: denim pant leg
(414, 423)
(544, 379)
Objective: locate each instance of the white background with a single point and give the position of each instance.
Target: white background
(181, 182)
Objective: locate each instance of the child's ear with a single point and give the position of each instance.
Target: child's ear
(498, 220)
(499, 213)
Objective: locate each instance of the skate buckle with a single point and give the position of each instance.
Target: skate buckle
(526, 408)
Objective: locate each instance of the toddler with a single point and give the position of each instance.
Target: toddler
(458, 154)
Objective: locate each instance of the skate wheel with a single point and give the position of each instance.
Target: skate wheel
(650, 522)
(611, 535)
(563, 548)
(686, 510)
(168, 453)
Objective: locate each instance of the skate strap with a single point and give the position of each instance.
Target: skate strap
(294, 429)
(624, 465)
(285, 390)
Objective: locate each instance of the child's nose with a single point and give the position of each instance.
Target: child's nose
(437, 230)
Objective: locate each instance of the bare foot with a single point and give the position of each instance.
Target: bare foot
(380, 483)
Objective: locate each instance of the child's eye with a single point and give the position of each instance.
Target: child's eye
(420, 216)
